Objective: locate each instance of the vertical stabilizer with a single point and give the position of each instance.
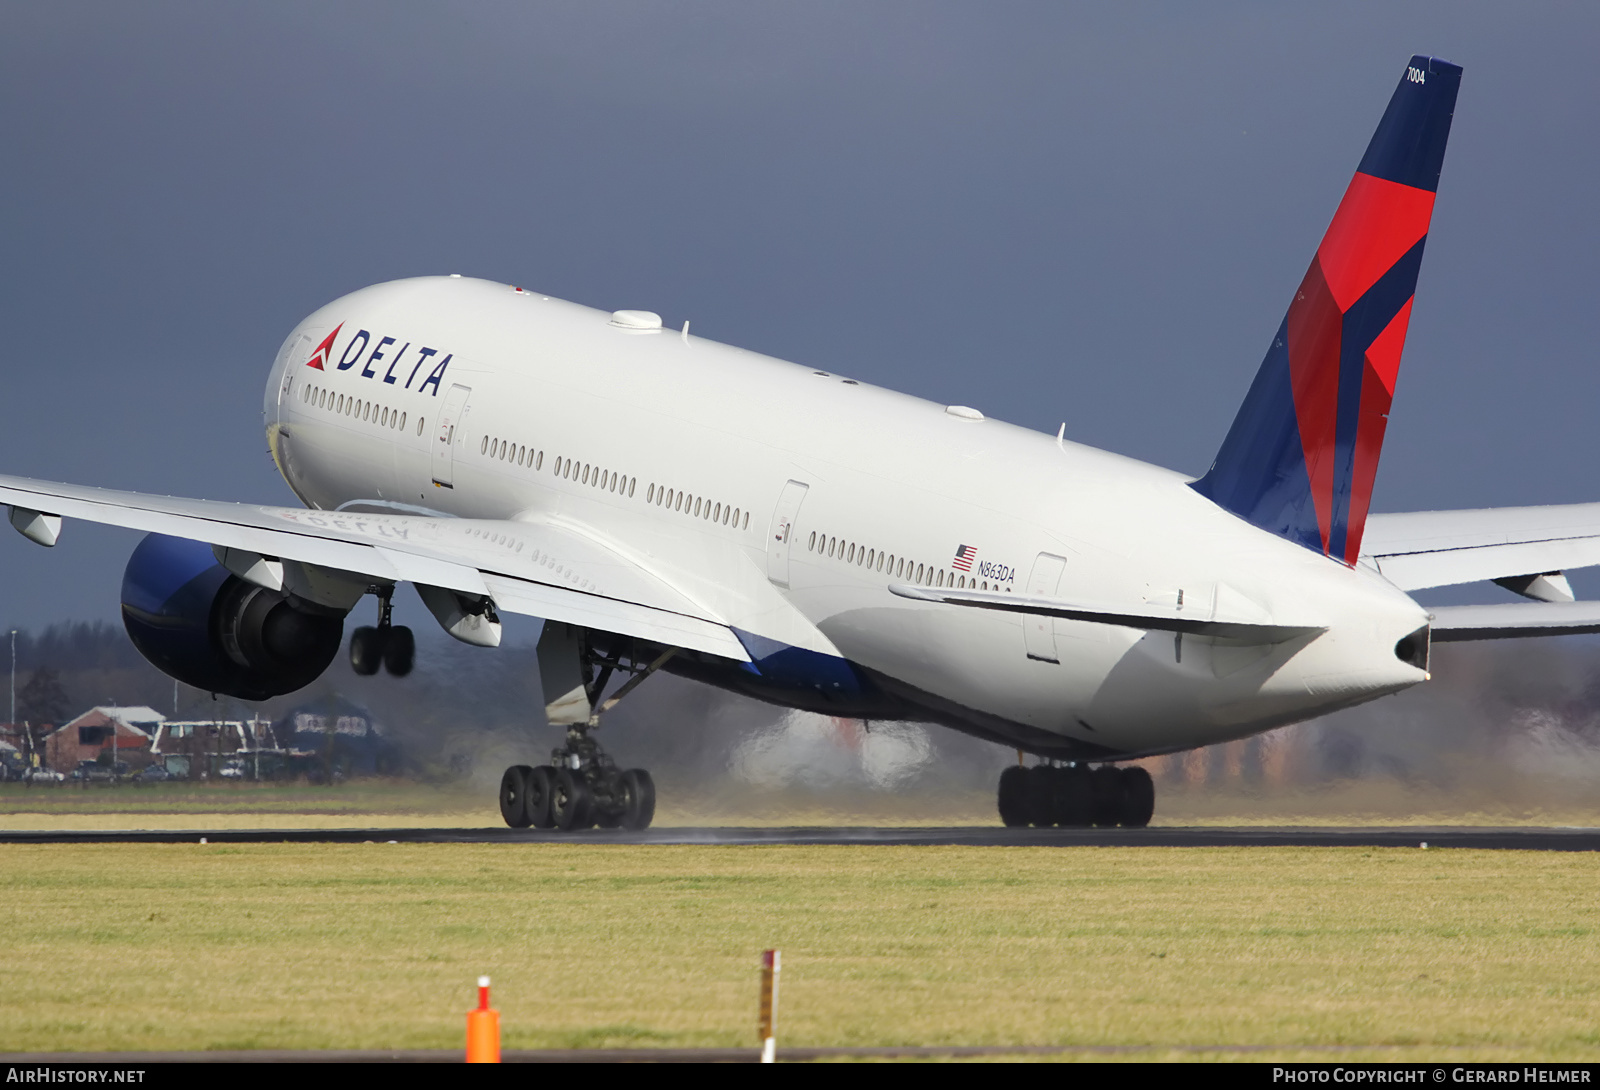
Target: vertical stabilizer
(1302, 454)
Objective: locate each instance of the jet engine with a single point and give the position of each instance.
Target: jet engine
(197, 622)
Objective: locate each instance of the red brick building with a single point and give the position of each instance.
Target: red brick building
(86, 736)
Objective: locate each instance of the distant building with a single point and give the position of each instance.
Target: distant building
(84, 738)
(336, 738)
(192, 746)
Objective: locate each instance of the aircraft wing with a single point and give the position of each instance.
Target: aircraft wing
(1440, 548)
(539, 569)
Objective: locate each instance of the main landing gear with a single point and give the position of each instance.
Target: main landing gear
(582, 786)
(388, 645)
(1077, 796)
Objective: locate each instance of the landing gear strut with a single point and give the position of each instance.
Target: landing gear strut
(389, 645)
(582, 786)
(1076, 795)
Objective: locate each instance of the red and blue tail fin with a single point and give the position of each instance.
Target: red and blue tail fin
(1302, 454)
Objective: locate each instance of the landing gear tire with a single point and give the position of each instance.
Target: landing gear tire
(573, 804)
(540, 795)
(1105, 794)
(1076, 797)
(1138, 797)
(638, 799)
(1074, 801)
(582, 787)
(1038, 792)
(1013, 800)
(399, 651)
(366, 650)
(388, 645)
(514, 796)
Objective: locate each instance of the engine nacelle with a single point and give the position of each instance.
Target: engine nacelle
(197, 622)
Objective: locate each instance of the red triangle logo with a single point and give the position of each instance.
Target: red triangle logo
(320, 356)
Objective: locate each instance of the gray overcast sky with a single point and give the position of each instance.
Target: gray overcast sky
(1094, 214)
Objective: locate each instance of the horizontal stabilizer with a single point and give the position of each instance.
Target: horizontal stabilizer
(1452, 624)
(1418, 549)
(1148, 616)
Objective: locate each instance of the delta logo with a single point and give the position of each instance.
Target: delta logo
(320, 356)
(380, 357)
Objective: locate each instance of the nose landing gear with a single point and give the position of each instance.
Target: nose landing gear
(1076, 796)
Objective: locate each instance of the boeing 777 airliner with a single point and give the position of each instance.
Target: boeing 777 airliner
(665, 502)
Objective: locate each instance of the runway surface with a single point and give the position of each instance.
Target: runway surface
(1525, 838)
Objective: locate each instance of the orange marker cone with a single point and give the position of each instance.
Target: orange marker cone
(483, 1029)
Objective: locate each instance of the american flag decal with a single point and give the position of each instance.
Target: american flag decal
(965, 554)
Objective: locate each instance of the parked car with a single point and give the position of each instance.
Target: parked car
(153, 774)
(44, 775)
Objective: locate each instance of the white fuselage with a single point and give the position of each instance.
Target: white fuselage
(687, 453)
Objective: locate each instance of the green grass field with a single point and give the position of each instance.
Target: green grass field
(1417, 954)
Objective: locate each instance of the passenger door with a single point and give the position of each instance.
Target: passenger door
(782, 532)
(445, 435)
(1039, 633)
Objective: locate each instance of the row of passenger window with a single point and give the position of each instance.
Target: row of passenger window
(507, 451)
(581, 472)
(610, 481)
(373, 413)
(698, 507)
(568, 470)
(606, 480)
(896, 566)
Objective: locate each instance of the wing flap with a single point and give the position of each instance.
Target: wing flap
(609, 615)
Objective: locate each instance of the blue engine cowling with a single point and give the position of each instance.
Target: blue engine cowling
(199, 623)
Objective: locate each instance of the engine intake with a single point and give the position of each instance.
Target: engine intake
(197, 622)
